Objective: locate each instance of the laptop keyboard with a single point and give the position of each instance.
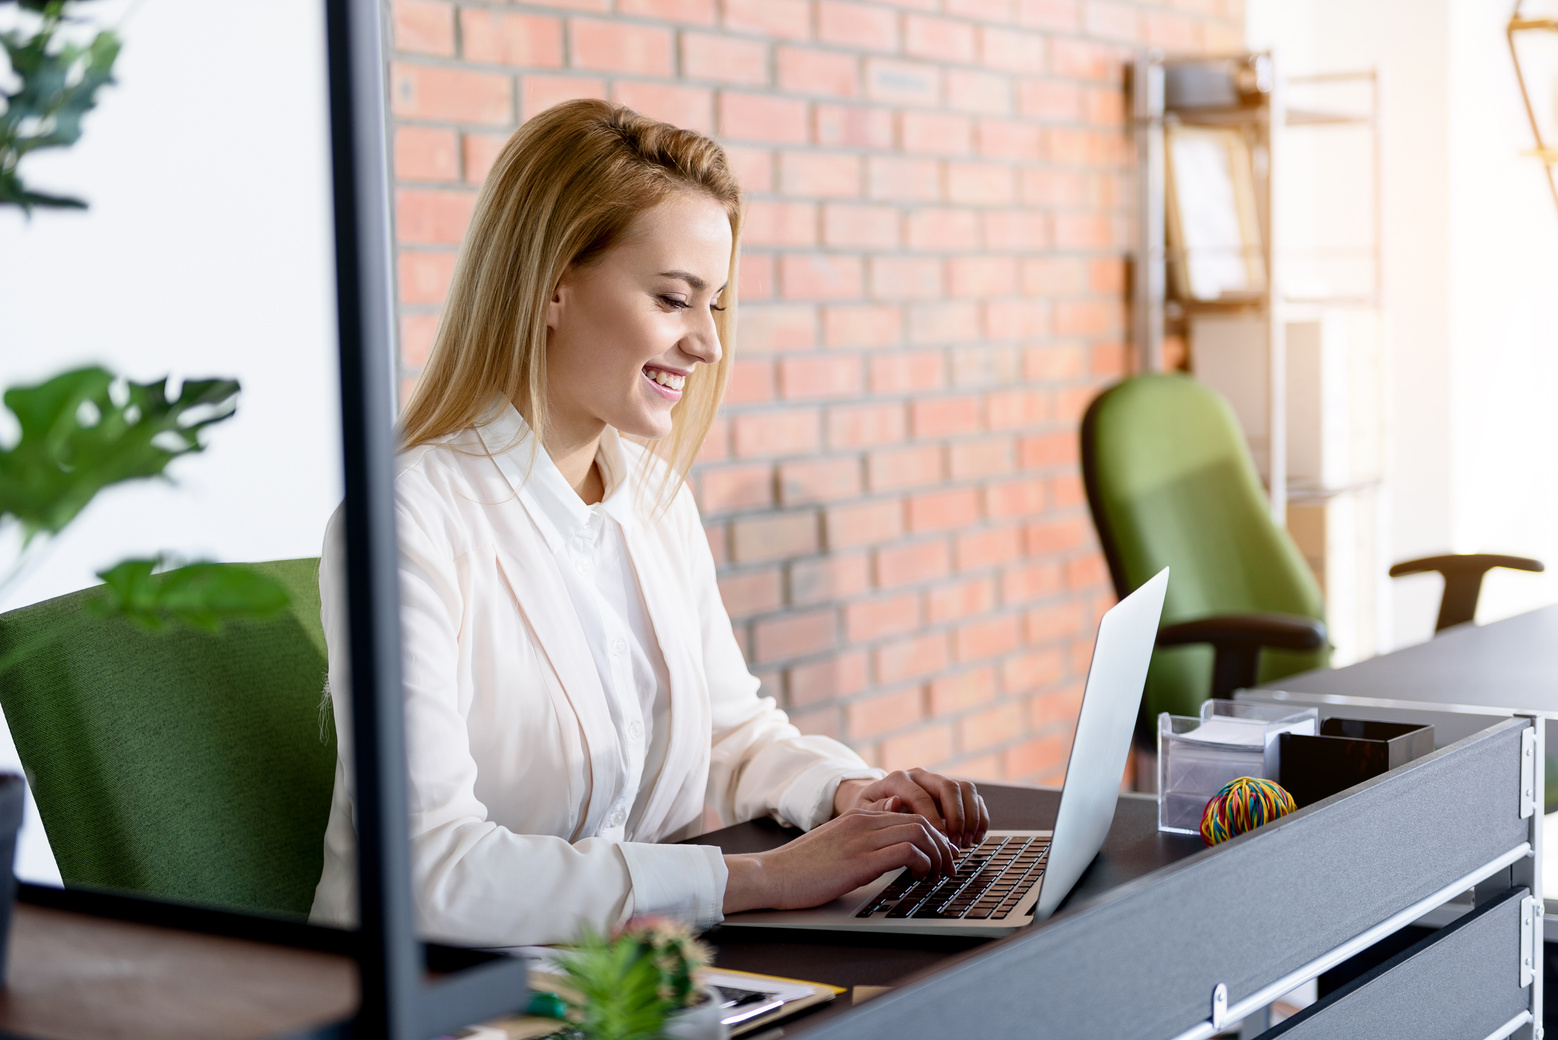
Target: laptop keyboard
(989, 882)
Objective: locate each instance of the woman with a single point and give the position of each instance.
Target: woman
(575, 696)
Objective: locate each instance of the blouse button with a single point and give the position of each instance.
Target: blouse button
(615, 819)
(636, 730)
(619, 647)
(584, 565)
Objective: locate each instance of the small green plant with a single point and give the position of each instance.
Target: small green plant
(86, 430)
(625, 986)
(58, 80)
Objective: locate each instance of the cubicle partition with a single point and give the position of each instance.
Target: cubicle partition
(1197, 945)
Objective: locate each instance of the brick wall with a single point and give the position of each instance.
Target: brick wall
(932, 289)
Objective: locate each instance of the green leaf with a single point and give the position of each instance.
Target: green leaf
(619, 990)
(199, 595)
(77, 439)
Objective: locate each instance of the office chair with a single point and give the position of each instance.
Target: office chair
(1170, 483)
(183, 765)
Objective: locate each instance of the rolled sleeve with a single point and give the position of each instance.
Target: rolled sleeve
(807, 801)
(686, 882)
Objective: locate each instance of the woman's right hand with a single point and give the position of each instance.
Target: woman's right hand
(846, 852)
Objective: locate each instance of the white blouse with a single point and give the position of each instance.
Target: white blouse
(535, 810)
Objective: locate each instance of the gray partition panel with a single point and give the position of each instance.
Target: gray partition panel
(1461, 982)
(1144, 959)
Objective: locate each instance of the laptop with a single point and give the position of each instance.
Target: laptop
(1015, 877)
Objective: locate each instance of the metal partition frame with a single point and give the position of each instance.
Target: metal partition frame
(397, 1001)
(1210, 939)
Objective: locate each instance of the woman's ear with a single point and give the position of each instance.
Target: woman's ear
(559, 301)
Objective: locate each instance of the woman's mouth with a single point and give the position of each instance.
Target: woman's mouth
(665, 383)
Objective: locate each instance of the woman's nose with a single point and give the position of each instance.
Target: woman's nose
(703, 343)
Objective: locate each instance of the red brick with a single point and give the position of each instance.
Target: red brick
(943, 510)
(1009, 409)
(423, 27)
(950, 694)
(1086, 572)
(865, 26)
(912, 563)
(1109, 19)
(1010, 139)
(982, 365)
(902, 82)
(807, 71)
(539, 93)
(1171, 32)
(1071, 403)
(853, 126)
(818, 681)
(416, 338)
(890, 469)
(751, 382)
(1060, 361)
(865, 523)
(980, 183)
(479, 152)
(812, 377)
(1029, 671)
(1028, 582)
(937, 133)
(989, 10)
(505, 38)
(751, 592)
(956, 600)
(759, 539)
(771, 327)
(1041, 760)
(1083, 59)
(1066, 490)
(696, 12)
(981, 275)
(1110, 360)
(424, 92)
(425, 154)
(993, 727)
(820, 174)
(902, 178)
(1047, 624)
(944, 416)
(788, 19)
(1017, 498)
(1052, 449)
(821, 722)
(795, 635)
(898, 277)
(716, 443)
(1086, 317)
(860, 426)
(619, 48)
(1105, 106)
(1106, 276)
(755, 277)
(724, 59)
(940, 38)
(969, 90)
(758, 117)
(753, 167)
(1063, 15)
(1011, 50)
(862, 325)
(819, 480)
(830, 578)
(1056, 708)
(860, 226)
(1016, 319)
(884, 712)
(431, 216)
(769, 223)
(1052, 100)
(1016, 229)
(727, 488)
(776, 433)
(865, 620)
(911, 658)
(928, 747)
(1053, 276)
(819, 276)
(908, 373)
(989, 548)
(968, 460)
(689, 107)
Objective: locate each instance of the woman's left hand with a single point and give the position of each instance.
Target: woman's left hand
(954, 806)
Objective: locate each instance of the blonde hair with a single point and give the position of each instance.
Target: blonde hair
(563, 191)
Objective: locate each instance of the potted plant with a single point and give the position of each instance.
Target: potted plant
(642, 984)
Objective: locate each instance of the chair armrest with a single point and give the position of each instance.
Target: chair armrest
(1237, 640)
(1462, 580)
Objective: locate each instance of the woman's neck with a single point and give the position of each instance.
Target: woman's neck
(573, 449)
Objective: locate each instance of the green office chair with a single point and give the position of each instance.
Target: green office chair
(183, 765)
(1170, 483)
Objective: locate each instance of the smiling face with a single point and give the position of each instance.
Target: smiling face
(625, 331)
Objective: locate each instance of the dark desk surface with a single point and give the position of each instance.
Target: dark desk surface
(1508, 667)
(1134, 847)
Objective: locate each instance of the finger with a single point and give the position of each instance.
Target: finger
(950, 796)
(918, 799)
(901, 854)
(984, 815)
(932, 841)
(973, 807)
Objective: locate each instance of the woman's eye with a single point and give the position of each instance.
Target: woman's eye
(715, 307)
(674, 302)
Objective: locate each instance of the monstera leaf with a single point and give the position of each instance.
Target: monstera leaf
(58, 84)
(200, 595)
(81, 433)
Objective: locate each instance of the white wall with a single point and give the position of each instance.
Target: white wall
(1471, 253)
(206, 251)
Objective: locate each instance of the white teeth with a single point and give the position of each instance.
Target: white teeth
(666, 379)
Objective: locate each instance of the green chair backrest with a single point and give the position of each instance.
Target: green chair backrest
(184, 765)
(1171, 484)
